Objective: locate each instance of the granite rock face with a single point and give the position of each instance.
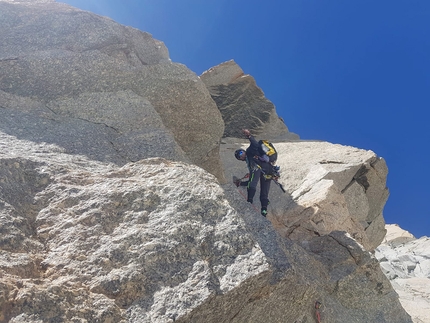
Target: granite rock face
(112, 201)
(161, 241)
(405, 260)
(243, 104)
(62, 69)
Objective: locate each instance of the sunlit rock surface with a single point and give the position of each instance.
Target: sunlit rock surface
(157, 241)
(405, 260)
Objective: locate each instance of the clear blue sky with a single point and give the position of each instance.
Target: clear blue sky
(350, 72)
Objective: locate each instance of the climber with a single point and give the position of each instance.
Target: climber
(260, 169)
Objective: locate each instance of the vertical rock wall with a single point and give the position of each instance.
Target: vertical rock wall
(64, 70)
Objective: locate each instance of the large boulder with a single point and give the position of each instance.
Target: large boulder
(405, 260)
(89, 72)
(161, 241)
(243, 104)
(328, 187)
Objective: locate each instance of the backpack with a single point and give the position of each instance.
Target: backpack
(266, 148)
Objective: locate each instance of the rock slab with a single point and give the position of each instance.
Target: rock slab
(65, 70)
(161, 241)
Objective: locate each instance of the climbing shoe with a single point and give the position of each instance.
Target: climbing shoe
(263, 212)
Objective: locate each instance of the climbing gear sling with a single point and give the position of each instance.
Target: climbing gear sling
(272, 177)
(317, 310)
